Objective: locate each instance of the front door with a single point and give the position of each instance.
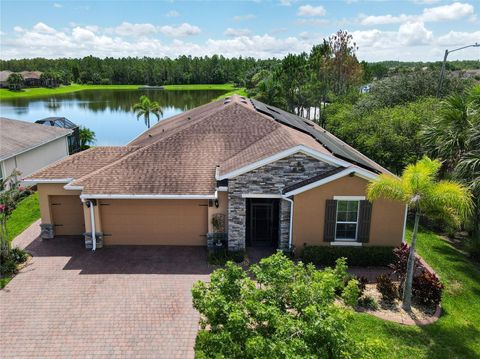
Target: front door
(262, 224)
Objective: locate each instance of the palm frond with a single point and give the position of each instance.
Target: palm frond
(450, 196)
(386, 186)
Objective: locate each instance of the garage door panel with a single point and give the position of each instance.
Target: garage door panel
(154, 222)
(67, 215)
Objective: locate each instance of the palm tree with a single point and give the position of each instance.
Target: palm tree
(146, 107)
(425, 196)
(15, 81)
(87, 137)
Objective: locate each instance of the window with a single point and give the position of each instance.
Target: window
(347, 220)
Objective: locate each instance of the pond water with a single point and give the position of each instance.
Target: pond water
(106, 112)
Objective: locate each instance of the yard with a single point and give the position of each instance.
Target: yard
(42, 91)
(456, 334)
(24, 215)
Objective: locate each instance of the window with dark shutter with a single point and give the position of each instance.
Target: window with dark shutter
(364, 218)
(330, 220)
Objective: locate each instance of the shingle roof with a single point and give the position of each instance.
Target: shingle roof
(83, 163)
(180, 155)
(20, 136)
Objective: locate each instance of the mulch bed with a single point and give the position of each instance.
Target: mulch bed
(420, 315)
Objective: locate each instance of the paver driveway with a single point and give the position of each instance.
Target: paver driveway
(129, 302)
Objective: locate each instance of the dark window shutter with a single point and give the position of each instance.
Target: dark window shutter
(364, 217)
(330, 220)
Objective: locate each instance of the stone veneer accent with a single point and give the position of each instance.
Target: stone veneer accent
(269, 179)
(47, 231)
(89, 241)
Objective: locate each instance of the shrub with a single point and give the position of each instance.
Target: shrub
(387, 288)
(351, 293)
(279, 309)
(222, 256)
(356, 256)
(368, 302)
(9, 261)
(362, 284)
(399, 264)
(427, 288)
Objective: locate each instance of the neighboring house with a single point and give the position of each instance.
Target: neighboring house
(27, 146)
(4, 77)
(62, 122)
(32, 78)
(275, 178)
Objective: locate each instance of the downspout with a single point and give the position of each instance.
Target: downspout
(92, 220)
(291, 222)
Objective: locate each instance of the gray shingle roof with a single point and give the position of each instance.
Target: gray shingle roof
(20, 136)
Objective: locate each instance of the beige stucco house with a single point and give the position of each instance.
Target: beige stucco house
(28, 147)
(263, 176)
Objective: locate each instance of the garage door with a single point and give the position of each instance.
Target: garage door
(154, 222)
(67, 215)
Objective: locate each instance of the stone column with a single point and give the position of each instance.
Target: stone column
(284, 225)
(236, 222)
(47, 231)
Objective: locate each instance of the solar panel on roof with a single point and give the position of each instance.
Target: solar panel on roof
(333, 144)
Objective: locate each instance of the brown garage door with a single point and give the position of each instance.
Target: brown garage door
(154, 222)
(67, 215)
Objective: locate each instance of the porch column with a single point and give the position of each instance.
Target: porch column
(236, 222)
(284, 225)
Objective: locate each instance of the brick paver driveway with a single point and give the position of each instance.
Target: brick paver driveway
(131, 302)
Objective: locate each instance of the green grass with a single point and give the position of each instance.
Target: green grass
(24, 215)
(456, 334)
(42, 91)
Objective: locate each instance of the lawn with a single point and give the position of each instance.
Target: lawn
(24, 215)
(41, 91)
(457, 333)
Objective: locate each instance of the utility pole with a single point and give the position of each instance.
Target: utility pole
(442, 71)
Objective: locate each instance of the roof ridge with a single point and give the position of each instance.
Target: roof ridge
(140, 149)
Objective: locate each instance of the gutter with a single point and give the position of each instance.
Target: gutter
(147, 196)
(290, 230)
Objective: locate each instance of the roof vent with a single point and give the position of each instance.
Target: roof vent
(189, 118)
(243, 97)
(227, 101)
(227, 98)
(243, 101)
(149, 136)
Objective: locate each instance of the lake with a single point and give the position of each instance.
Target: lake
(106, 112)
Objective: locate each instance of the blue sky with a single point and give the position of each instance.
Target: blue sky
(384, 30)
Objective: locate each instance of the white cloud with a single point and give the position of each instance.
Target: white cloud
(128, 29)
(42, 28)
(414, 33)
(304, 35)
(244, 17)
(173, 13)
(184, 29)
(309, 10)
(411, 41)
(236, 32)
(448, 12)
(57, 5)
(18, 29)
(460, 38)
(427, 2)
(285, 2)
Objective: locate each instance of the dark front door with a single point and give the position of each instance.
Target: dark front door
(262, 224)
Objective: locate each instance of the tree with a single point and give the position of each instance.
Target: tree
(15, 81)
(343, 66)
(279, 309)
(419, 189)
(87, 137)
(146, 107)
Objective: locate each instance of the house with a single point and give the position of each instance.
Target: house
(272, 178)
(32, 78)
(27, 146)
(4, 77)
(62, 122)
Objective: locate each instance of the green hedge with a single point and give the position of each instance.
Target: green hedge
(356, 256)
